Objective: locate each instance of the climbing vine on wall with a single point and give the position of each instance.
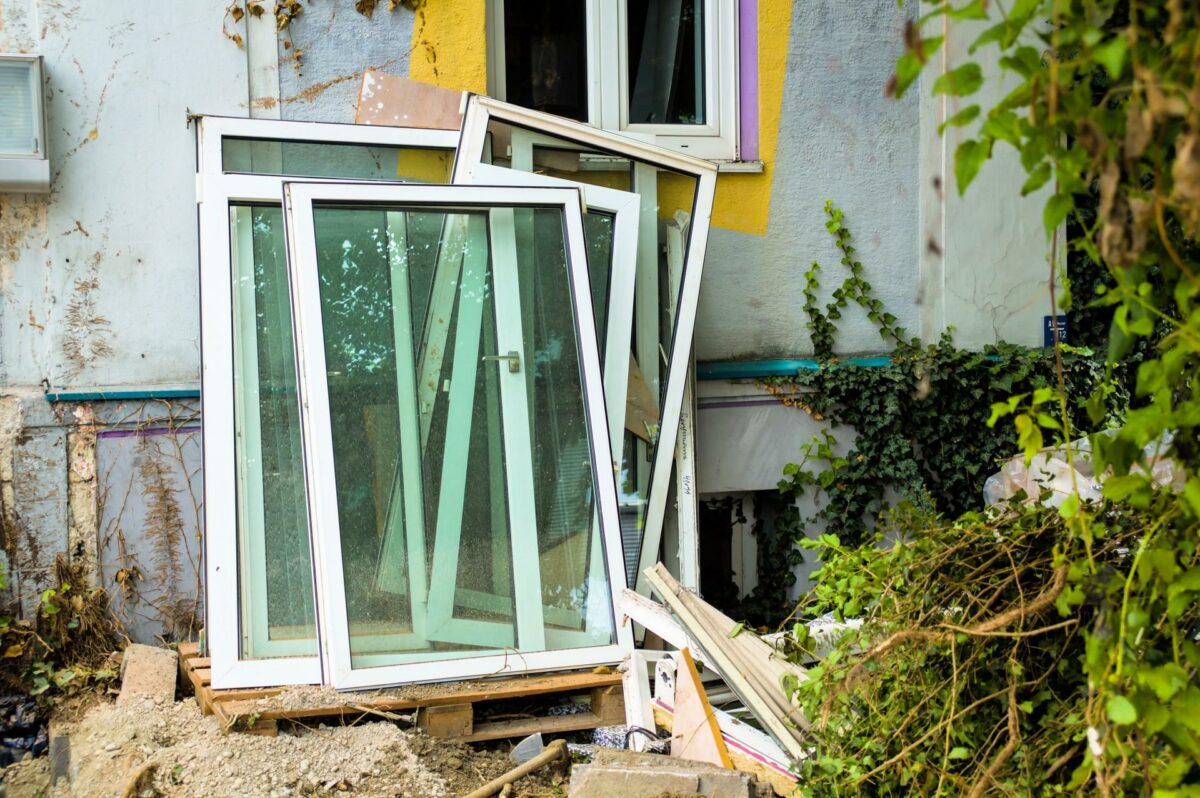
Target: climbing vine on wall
(912, 429)
(285, 13)
(1032, 650)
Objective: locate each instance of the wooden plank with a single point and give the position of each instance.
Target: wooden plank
(451, 720)
(476, 692)
(608, 704)
(199, 662)
(202, 676)
(264, 727)
(696, 734)
(498, 730)
(243, 694)
(189, 649)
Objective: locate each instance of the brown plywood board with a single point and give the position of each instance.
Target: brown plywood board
(385, 99)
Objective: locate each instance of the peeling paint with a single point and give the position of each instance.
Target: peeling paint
(88, 335)
(23, 218)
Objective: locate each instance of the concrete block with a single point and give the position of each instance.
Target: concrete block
(634, 775)
(148, 672)
(597, 781)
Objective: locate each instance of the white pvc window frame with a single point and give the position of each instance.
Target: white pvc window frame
(216, 191)
(625, 207)
(607, 63)
(480, 111)
(339, 669)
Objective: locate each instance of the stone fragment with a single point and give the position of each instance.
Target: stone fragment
(148, 672)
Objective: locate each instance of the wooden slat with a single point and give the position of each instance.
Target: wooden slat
(498, 730)
(189, 649)
(203, 676)
(477, 692)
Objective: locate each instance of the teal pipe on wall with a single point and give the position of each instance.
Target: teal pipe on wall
(756, 369)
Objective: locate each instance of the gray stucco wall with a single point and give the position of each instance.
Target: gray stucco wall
(840, 138)
(98, 280)
(338, 44)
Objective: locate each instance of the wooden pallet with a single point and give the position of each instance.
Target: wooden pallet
(449, 713)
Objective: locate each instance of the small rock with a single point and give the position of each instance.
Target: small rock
(111, 747)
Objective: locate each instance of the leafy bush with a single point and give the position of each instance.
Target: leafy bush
(68, 645)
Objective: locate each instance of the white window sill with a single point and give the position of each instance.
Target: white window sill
(741, 167)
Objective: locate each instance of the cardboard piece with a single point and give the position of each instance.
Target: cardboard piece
(385, 99)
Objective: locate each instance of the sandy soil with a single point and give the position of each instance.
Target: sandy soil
(171, 750)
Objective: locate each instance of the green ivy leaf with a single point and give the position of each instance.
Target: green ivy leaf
(969, 159)
(960, 81)
(1121, 711)
(1111, 56)
(1070, 507)
(1037, 178)
(964, 117)
(1055, 213)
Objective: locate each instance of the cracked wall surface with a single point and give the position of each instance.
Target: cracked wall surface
(98, 280)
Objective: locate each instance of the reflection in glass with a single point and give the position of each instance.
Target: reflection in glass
(460, 443)
(666, 62)
(276, 579)
(324, 159)
(545, 56)
(667, 203)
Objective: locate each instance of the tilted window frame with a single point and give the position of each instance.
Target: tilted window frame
(318, 451)
(482, 110)
(216, 191)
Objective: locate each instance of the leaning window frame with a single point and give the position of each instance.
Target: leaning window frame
(216, 190)
(608, 77)
(318, 451)
(479, 112)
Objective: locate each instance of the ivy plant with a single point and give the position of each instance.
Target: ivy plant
(1029, 650)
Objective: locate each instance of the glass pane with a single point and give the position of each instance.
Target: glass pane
(18, 98)
(669, 198)
(598, 228)
(666, 62)
(274, 567)
(436, 517)
(276, 580)
(323, 159)
(531, 151)
(545, 56)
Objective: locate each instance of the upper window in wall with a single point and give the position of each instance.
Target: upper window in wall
(665, 68)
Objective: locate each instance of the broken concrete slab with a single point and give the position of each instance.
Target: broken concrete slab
(633, 775)
(148, 672)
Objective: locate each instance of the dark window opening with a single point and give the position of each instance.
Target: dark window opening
(545, 53)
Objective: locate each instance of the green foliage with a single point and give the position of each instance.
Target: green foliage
(919, 423)
(1036, 651)
(974, 670)
(67, 646)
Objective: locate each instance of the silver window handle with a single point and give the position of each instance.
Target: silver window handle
(513, 357)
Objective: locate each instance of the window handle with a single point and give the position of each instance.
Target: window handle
(513, 357)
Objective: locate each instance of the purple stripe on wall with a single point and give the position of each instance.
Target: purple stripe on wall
(142, 433)
(748, 78)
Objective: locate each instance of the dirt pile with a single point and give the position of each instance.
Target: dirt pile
(169, 750)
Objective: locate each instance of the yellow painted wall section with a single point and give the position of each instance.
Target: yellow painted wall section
(449, 48)
(449, 45)
(744, 201)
